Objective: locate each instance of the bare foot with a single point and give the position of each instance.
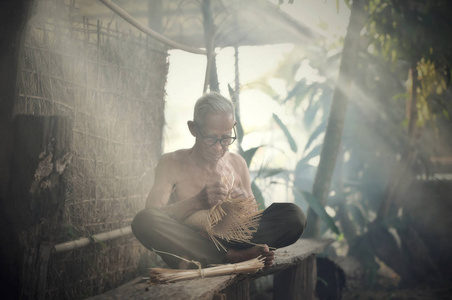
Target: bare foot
(236, 255)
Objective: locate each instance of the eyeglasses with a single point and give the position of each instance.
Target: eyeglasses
(210, 141)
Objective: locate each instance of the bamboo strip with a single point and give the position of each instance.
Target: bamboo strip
(131, 20)
(101, 237)
(161, 275)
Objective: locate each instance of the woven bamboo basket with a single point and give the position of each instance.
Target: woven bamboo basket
(233, 219)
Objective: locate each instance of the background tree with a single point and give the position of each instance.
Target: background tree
(396, 115)
(405, 33)
(333, 134)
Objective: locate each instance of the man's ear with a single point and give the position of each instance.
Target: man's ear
(192, 128)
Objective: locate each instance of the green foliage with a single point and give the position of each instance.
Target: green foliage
(258, 195)
(315, 134)
(290, 139)
(362, 249)
(313, 153)
(399, 35)
(418, 32)
(266, 172)
(319, 210)
(263, 172)
(315, 96)
(249, 154)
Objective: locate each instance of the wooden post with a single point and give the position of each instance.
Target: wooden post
(336, 118)
(211, 78)
(238, 291)
(297, 282)
(36, 198)
(155, 15)
(13, 19)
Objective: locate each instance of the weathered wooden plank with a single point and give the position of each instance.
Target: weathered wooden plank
(239, 290)
(194, 289)
(296, 282)
(295, 253)
(232, 285)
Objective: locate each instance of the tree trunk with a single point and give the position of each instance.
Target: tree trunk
(336, 118)
(403, 174)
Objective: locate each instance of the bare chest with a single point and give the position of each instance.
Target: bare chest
(191, 180)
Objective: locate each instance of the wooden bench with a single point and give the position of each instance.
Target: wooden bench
(294, 270)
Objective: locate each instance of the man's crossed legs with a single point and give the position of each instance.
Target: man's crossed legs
(281, 225)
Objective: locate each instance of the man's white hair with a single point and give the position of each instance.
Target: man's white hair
(211, 102)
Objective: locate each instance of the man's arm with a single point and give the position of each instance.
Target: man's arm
(244, 174)
(163, 182)
(208, 197)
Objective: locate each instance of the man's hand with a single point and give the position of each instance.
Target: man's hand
(211, 194)
(236, 192)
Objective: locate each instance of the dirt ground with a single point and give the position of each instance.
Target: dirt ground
(427, 292)
(420, 293)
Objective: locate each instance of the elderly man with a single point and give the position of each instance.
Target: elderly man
(189, 180)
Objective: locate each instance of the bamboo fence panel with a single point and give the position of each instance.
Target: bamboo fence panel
(111, 83)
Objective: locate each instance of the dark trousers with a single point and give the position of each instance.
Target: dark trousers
(281, 225)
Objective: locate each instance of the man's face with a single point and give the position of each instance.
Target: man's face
(216, 125)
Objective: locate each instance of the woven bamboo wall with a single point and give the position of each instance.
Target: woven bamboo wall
(110, 82)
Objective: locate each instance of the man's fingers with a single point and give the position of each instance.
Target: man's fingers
(217, 194)
(219, 184)
(218, 187)
(236, 192)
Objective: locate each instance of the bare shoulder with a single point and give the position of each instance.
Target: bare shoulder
(175, 157)
(171, 162)
(166, 160)
(237, 161)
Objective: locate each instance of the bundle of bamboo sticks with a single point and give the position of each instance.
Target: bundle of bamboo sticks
(233, 219)
(162, 275)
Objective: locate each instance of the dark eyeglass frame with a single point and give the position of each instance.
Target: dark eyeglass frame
(222, 140)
